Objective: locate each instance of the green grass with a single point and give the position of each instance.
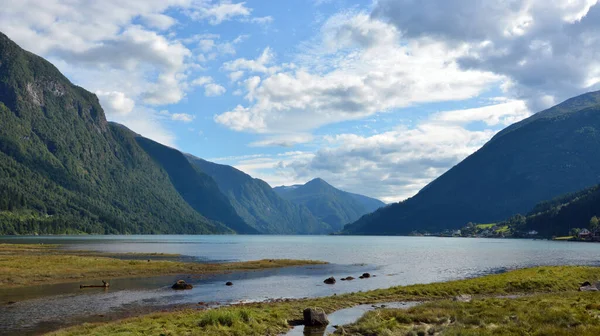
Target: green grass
(503, 229)
(485, 226)
(563, 238)
(27, 265)
(543, 314)
(272, 318)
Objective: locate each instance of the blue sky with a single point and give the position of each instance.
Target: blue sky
(376, 97)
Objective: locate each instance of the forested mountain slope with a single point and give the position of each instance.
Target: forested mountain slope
(65, 169)
(554, 152)
(258, 204)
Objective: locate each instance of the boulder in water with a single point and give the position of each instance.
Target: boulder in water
(329, 281)
(181, 285)
(315, 317)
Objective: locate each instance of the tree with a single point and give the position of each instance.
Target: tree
(574, 232)
(594, 224)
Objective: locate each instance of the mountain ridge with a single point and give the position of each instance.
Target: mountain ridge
(65, 169)
(258, 204)
(331, 205)
(551, 153)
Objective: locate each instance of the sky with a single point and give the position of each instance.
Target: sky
(376, 97)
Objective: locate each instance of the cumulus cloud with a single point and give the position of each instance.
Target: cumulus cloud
(370, 72)
(260, 64)
(158, 21)
(211, 89)
(217, 13)
(547, 49)
(115, 103)
(187, 118)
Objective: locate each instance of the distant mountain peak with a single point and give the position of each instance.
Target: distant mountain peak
(331, 205)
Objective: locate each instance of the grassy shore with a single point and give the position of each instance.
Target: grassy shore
(545, 286)
(572, 313)
(26, 265)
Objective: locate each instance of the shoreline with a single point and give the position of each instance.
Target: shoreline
(23, 265)
(272, 318)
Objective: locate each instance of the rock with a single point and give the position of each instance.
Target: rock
(329, 281)
(343, 279)
(229, 283)
(463, 298)
(587, 283)
(366, 275)
(588, 288)
(11, 302)
(315, 318)
(349, 278)
(181, 285)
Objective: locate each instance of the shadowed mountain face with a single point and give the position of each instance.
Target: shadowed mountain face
(558, 216)
(65, 169)
(258, 204)
(554, 152)
(332, 206)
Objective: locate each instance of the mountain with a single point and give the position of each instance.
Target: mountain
(258, 204)
(199, 190)
(65, 169)
(558, 216)
(553, 152)
(332, 206)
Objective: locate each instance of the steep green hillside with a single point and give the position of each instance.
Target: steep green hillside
(197, 189)
(258, 204)
(558, 216)
(554, 152)
(330, 205)
(64, 169)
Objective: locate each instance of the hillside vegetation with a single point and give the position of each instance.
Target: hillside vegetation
(65, 169)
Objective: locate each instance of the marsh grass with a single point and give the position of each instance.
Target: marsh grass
(272, 318)
(27, 265)
(542, 314)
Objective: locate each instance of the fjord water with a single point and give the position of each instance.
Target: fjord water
(394, 261)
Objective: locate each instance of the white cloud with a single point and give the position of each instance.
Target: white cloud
(236, 75)
(158, 21)
(201, 81)
(265, 20)
(213, 90)
(217, 13)
(283, 140)
(505, 114)
(187, 118)
(115, 103)
(370, 72)
(260, 65)
(549, 50)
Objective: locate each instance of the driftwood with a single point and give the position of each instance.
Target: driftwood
(104, 285)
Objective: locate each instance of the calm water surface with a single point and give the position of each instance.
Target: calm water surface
(394, 261)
